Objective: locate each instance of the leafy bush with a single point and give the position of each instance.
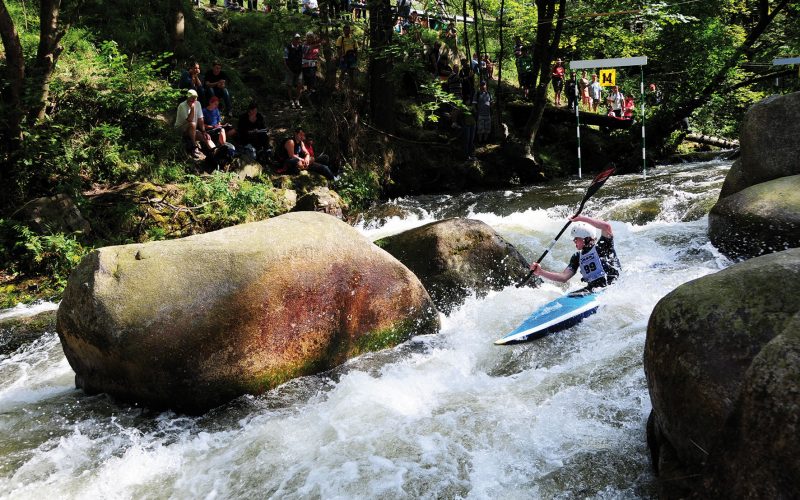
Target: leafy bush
(359, 188)
(53, 256)
(222, 200)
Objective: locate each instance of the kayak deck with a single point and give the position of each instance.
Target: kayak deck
(560, 314)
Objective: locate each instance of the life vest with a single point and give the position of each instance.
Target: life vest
(590, 266)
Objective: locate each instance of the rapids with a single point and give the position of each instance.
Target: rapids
(442, 416)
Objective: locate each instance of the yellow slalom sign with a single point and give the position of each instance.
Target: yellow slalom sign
(608, 77)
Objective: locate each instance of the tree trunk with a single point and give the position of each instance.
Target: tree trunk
(466, 29)
(46, 56)
(544, 50)
(381, 89)
(15, 68)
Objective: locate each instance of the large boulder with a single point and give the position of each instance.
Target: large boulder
(769, 144)
(758, 453)
(191, 323)
(759, 219)
(758, 208)
(702, 340)
(455, 256)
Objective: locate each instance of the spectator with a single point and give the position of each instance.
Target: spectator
(216, 84)
(403, 8)
(212, 121)
(252, 129)
(433, 58)
(653, 95)
(189, 122)
(190, 79)
(526, 72)
(294, 157)
(468, 125)
(488, 65)
(450, 35)
(615, 101)
(484, 108)
(629, 108)
(311, 8)
(467, 78)
(454, 82)
(347, 49)
(310, 58)
(293, 65)
(583, 87)
(313, 158)
(518, 53)
(252, 5)
(570, 89)
(475, 65)
(399, 26)
(557, 76)
(595, 93)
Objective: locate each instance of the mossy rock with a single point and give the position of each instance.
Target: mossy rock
(18, 331)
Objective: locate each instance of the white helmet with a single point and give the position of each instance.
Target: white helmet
(582, 230)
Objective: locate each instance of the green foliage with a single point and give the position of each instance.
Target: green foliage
(222, 200)
(359, 188)
(437, 98)
(24, 251)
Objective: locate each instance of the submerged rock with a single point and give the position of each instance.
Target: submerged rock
(710, 355)
(454, 256)
(18, 331)
(189, 324)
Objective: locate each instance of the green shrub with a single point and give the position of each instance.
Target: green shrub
(53, 256)
(359, 188)
(222, 200)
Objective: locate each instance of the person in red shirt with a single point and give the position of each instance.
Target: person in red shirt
(557, 76)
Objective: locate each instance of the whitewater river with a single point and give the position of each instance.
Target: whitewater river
(441, 416)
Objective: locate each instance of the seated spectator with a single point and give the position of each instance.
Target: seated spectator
(252, 128)
(294, 157)
(311, 8)
(216, 84)
(213, 122)
(309, 61)
(189, 123)
(313, 158)
(190, 79)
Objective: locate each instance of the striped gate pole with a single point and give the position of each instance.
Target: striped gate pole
(578, 121)
(644, 156)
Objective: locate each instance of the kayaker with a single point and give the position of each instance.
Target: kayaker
(596, 259)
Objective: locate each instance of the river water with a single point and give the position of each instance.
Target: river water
(441, 416)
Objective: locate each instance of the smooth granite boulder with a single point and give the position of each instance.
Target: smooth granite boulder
(191, 323)
(707, 342)
(456, 256)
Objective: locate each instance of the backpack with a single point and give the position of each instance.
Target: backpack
(221, 157)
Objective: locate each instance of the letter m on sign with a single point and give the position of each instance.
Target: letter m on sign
(608, 77)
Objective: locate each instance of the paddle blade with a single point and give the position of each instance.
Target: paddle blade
(598, 182)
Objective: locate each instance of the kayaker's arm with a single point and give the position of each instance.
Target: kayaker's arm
(603, 226)
(561, 277)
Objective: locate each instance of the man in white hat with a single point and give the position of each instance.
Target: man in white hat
(189, 122)
(596, 259)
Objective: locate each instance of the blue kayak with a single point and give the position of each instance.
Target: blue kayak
(554, 316)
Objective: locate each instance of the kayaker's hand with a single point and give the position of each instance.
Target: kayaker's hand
(535, 267)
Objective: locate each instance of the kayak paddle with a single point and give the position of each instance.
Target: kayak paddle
(596, 184)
